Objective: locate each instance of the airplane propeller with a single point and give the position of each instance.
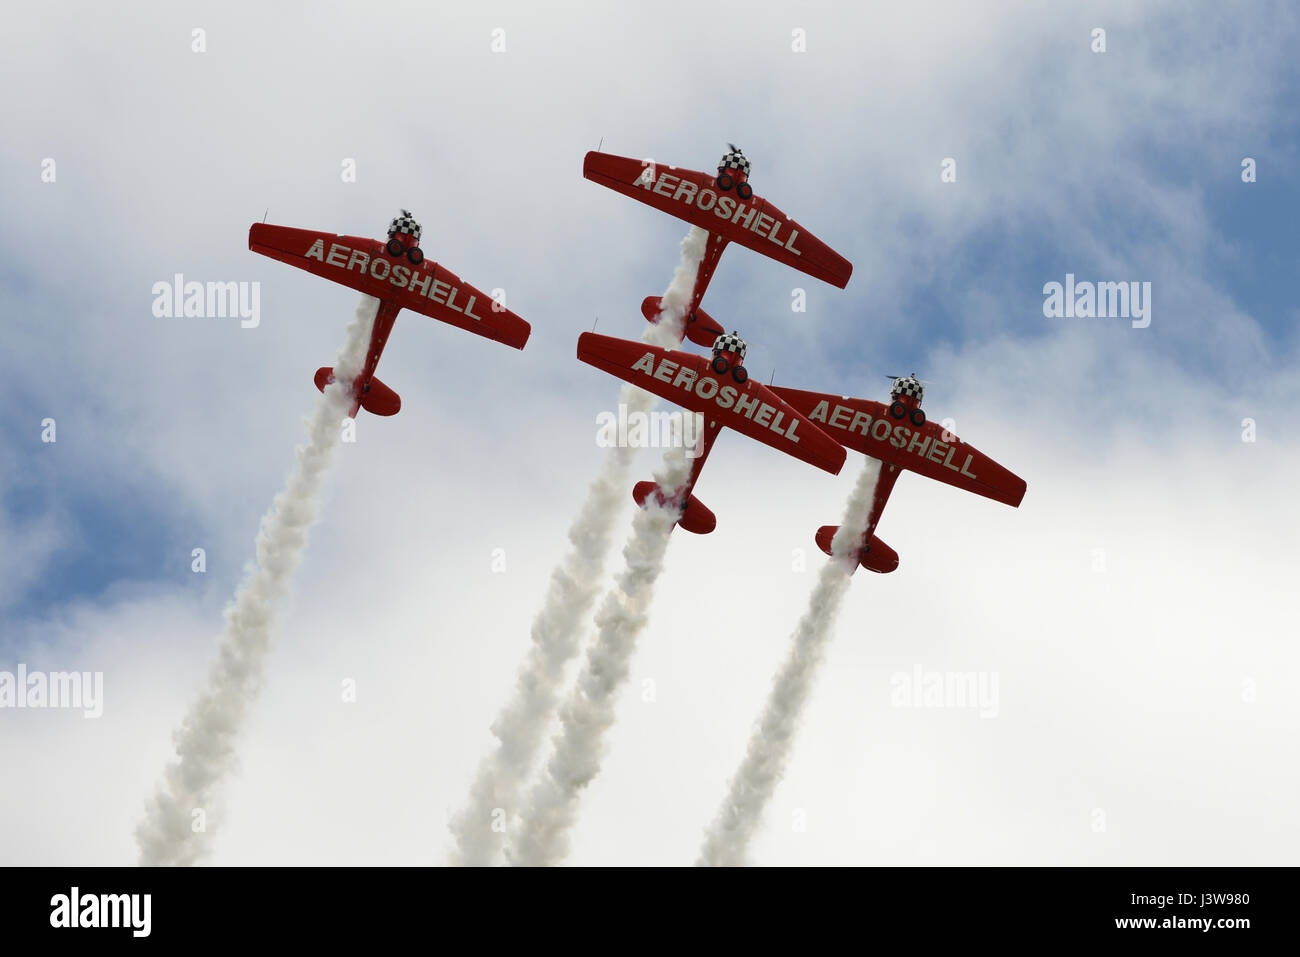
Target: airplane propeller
(912, 376)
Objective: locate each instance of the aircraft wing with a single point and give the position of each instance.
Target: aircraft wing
(932, 451)
(364, 265)
(694, 197)
(687, 379)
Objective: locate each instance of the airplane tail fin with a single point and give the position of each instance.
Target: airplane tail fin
(701, 328)
(377, 399)
(875, 556)
(696, 516)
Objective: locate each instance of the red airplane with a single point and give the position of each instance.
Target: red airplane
(396, 273)
(899, 435)
(726, 206)
(700, 384)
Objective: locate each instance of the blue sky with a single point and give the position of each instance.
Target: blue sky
(174, 434)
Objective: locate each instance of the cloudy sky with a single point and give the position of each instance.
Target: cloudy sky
(1135, 614)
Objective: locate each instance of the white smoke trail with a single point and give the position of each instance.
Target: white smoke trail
(521, 724)
(726, 842)
(552, 805)
(205, 741)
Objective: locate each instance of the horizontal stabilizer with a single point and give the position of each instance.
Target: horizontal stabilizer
(701, 328)
(875, 556)
(376, 398)
(696, 516)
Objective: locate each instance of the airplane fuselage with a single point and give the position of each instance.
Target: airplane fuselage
(884, 486)
(708, 435)
(712, 256)
(888, 476)
(384, 320)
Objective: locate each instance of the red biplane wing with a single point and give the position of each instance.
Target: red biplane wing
(929, 450)
(695, 197)
(687, 379)
(363, 264)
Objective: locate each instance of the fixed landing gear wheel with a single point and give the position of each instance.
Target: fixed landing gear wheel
(720, 365)
(416, 255)
(897, 409)
(917, 417)
(394, 247)
(740, 375)
(725, 182)
(744, 191)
